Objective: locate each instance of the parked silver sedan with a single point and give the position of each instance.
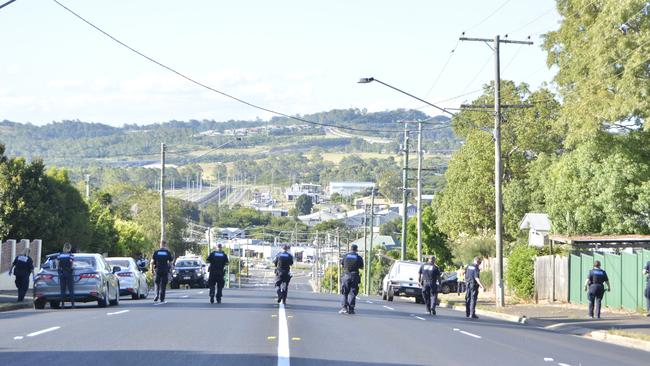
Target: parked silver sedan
(133, 282)
(94, 280)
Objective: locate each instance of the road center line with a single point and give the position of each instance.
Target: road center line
(43, 331)
(563, 364)
(369, 302)
(471, 334)
(548, 359)
(283, 338)
(388, 307)
(419, 317)
(118, 312)
(18, 338)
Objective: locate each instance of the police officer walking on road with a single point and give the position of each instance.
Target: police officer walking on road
(429, 280)
(646, 272)
(594, 285)
(218, 261)
(352, 265)
(162, 260)
(472, 284)
(22, 267)
(64, 263)
(141, 262)
(283, 262)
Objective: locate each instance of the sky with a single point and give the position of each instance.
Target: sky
(292, 56)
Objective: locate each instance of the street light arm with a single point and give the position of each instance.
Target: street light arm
(7, 3)
(369, 80)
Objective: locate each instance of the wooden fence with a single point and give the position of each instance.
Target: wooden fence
(552, 278)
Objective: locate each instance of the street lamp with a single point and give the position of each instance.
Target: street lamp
(419, 179)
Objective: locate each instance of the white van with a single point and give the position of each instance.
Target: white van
(402, 280)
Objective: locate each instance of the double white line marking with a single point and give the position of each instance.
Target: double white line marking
(283, 338)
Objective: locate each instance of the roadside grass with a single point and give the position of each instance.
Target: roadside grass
(625, 333)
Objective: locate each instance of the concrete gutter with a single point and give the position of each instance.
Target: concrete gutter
(8, 306)
(603, 336)
(490, 314)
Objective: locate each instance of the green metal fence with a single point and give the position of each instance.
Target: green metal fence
(624, 272)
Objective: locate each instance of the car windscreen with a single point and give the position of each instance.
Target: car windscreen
(123, 263)
(84, 263)
(409, 270)
(188, 264)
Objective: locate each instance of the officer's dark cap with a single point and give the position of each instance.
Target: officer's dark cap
(285, 247)
(354, 247)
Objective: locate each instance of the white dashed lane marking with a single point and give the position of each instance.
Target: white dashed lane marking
(388, 307)
(467, 333)
(548, 359)
(18, 337)
(34, 334)
(118, 312)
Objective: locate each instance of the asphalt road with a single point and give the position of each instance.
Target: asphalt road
(249, 328)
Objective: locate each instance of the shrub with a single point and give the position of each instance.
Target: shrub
(520, 272)
(487, 278)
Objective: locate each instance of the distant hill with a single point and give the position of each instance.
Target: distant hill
(74, 143)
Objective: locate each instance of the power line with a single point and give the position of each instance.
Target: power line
(489, 16)
(198, 83)
(444, 67)
(7, 3)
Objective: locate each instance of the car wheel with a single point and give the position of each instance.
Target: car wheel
(55, 304)
(39, 304)
(419, 300)
(145, 294)
(116, 300)
(174, 286)
(445, 289)
(390, 294)
(103, 301)
(384, 296)
(136, 295)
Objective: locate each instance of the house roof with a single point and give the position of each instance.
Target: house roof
(535, 221)
(384, 240)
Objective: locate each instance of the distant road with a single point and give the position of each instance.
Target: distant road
(369, 139)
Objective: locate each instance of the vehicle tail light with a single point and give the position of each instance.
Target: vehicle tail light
(125, 274)
(46, 277)
(89, 275)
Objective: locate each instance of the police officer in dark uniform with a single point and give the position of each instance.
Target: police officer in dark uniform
(283, 262)
(352, 265)
(429, 280)
(65, 261)
(594, 285)
(646, 271)
(22, 267)
(472, 284)
(218, 261)
(162, 260)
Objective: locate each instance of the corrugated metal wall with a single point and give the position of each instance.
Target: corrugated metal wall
(624, 272)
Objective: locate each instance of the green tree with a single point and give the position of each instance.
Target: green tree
(434, 241)
(132, 239)
(467, 203)
(304, 205)
(602, 72)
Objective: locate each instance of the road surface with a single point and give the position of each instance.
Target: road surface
(250, 328)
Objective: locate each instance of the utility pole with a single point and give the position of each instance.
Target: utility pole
(498, 221)
(372, 229)
(338, 258)
(87, 178)
(405, 177)
(365, 245)
(419, 180)
(163, 236)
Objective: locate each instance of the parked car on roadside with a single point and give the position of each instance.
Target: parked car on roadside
(402, 280)
(448, 283)
(189, 270)
(133, 282)
(94, 280)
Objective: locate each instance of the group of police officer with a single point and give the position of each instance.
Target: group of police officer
(352, 264)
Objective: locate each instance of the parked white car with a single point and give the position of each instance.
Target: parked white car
(402, 280)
